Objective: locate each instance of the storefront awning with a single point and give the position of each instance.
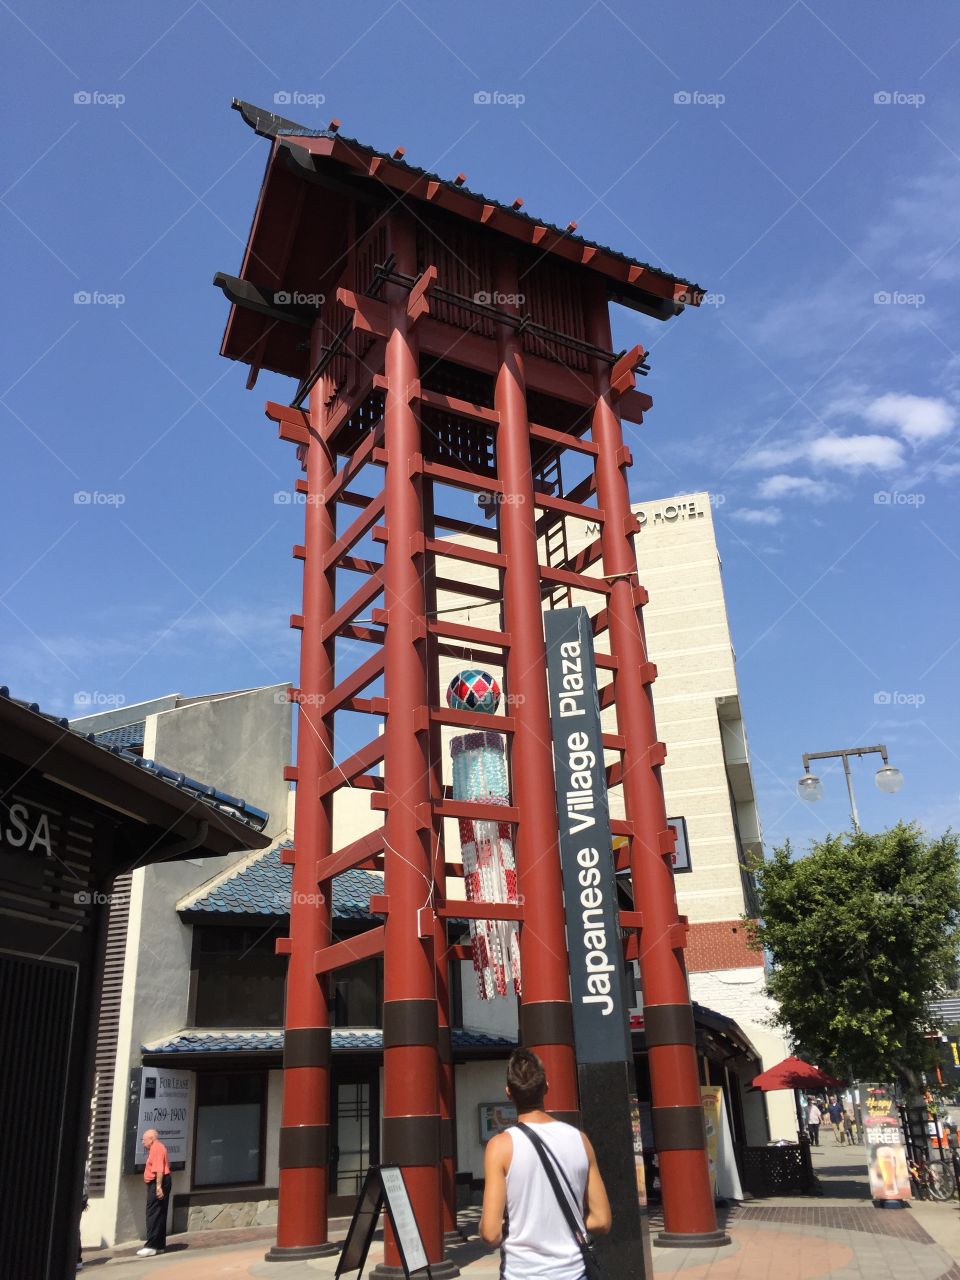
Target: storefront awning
(717, 1035)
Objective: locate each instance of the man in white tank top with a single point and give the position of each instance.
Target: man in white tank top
(536, 1237)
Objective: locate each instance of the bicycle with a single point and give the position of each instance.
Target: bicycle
(932, 1181)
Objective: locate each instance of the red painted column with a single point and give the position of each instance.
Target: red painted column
(546, 1023)
(411, 1119)
(688, 1208)
(305, 1122)
(441, 950)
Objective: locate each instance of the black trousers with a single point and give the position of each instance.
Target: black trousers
(814, 1134)
(157, 1213)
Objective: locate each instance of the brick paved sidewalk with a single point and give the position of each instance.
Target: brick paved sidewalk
(843, 1242)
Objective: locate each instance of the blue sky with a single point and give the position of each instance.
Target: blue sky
(801, 161)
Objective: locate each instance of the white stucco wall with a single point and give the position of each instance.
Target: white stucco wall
(741, 994)
(476, 1082)
(500, 1016)
(271, 1164)
(239, 744)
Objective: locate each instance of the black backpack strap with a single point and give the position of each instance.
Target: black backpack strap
(551, 1167)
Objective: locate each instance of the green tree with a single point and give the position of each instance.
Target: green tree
(862, 933)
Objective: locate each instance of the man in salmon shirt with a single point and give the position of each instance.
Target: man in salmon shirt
(156, 1175)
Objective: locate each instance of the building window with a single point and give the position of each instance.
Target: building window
(358, 995)
(228, 1146)
(353, 1136)
(239, 978)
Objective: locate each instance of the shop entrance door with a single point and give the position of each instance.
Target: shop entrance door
(355, 1134)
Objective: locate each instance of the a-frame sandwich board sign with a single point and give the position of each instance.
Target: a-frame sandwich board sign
(384, 1185)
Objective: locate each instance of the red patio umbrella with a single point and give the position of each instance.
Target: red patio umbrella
(794, 1073)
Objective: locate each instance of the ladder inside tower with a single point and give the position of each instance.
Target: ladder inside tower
(549, 479)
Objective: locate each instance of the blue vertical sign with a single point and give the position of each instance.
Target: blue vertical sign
(598, 989)
(597, 976)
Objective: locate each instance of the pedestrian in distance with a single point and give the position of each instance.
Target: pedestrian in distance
(814, 1116)
(156, 1175)
(543, 1194)
(835, 1112)
(848, 1127)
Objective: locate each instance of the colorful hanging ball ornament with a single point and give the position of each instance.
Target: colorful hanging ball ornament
(473, 690)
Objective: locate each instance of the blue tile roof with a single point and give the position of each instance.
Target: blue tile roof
(128, 735)
(342, 1038)
(262, 887)
(232, 806)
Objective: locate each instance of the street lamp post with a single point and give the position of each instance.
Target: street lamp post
(888, 778)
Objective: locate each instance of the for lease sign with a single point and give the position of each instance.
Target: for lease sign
(159, 1099)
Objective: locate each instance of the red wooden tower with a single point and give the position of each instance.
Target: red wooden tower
(444, 342)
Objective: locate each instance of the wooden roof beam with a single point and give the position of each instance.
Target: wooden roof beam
(454, 197)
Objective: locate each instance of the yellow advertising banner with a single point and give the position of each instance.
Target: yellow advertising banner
(638, 1150)
(711, 1097)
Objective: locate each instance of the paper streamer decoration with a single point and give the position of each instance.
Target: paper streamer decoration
(490, 871)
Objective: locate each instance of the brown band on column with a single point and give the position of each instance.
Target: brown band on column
(305, 1146)
(679, 1129)
(444, 1045)
(306, 1047)
(447, 1143)
(411, 1140)
(668, 1024)
(568, 1117)
(407, 1022)
(547, 1022)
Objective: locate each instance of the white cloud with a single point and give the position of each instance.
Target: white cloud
(917, 418)
(854, 453)
(903, 242)
(847, 453)
(754, 515)
(784, 486)
(773, 455)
